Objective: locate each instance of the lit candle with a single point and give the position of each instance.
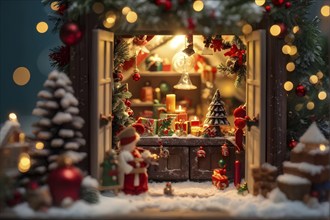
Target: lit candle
(170, 103)
(194, 122)
(182, 115)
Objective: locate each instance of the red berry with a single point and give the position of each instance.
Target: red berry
(268, 8)
(136, 76)
(288, 4)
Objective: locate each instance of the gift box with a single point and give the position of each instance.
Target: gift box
(169, 115)
(182, 126)
(154, 63)
(219, 178)
(150, 125)
(165, 126)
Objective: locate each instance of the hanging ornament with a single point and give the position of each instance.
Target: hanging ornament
(268, 8)
(301, 90)
(136, 75)
(293, 143)
(163, 152)
(201, 152)
(70, 33)
(62, 9)
(118, 76)
(224, 150)
(222, 163)
(278, 3)
(288, 4)
(128, 103)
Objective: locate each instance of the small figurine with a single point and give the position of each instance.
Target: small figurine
(110, 170)
(168, 191)
(133, 175)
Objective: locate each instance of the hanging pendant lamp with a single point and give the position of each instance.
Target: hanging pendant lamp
(183, 63)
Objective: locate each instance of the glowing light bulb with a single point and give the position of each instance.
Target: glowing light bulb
(198, 5)
(125, 10)
(24, 162)
(290, 67)
(325, 10)
(247, 29)
(313, 79)
(54, 6)
(131, 17)
(319, 74)
(260, 2)
(40, 145)
(275, 30)
(293, 50)
(295, 29)
(310, 105)
(288, 86)
(322, 95)
(42, 27)
(12, 117)
(322, 147)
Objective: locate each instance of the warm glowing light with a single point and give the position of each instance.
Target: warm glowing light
(98, 7)
(322, 95)
(21, 76)
(42, 27)
(108, 25)
(21, 137)
(198, 5)
(177, 41)
(247, 29)
(12, 117)
(286, 49)
(298, 107)
(290, 66)
(275, 30)
(322, 147)
(293, 50)
(131, 17)
(125, 10)
(313, 79)
(111, 19)
(295, 29)
(24, 162)
(40, 145)
(54, 6)
(288, 86)
(325, 10)
(319, 74)
(310, 105)
(260, 2)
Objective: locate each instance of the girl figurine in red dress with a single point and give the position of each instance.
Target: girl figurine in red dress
(133, 175)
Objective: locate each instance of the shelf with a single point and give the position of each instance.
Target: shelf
(165, 73)
(142, 104)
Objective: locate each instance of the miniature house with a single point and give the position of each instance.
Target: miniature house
(91, 73)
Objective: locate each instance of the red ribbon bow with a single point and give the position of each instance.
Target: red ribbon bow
(234, 52)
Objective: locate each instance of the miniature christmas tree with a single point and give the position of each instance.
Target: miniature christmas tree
(57, 130)
(308, 172)
(121, 111)
(215, 117)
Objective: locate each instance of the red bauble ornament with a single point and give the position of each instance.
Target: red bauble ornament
(64, 182)
(240, 112)
(118, 76)
(136, 75)
(278, 3)
(240, 123)
(300, 90)
(130, 112)
(288, 4)
(128, 103)
(268, 8)
(293, 143)
(70, 33)
(201, 152)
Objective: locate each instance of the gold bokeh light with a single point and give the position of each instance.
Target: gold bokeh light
(21, 76)
(40, 145)
(54, 5)
(290, 67)
(131, 17)
(313, 79)
(247, 29)
(288, 86)
(310, 105)
(125, 10)
(322, 95)
(260, 2)
(198, 5)
(325, 10)
(24, 162)
(286, 49)
(275, 30)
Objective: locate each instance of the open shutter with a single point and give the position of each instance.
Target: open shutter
(101, 98)
(255, 103)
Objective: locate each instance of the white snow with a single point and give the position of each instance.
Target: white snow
(81, 141)
(40, 104)
(88, 181)
(40, 169)
(44, 135)
(49, 83)
(78, 122)
(313, 135)
(52, 166)
(61, 118)
(321, 150)
(52, 157)
(53, 75)
(268, 167)
(291, 179)
(51, 104)
(188, 196)
(56, 142)
(6, 128)
(299, 148)
(71, 145)
(305, 167)
(72, 110)
(68, 100)
(39, 112)
(59, 93)
(44, 94)
(45, 122)
(66, 133)
(76, 156)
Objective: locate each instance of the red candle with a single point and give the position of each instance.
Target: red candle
(237, 178)
(194, 122)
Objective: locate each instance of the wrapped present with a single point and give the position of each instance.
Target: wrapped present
(150, 125)
(219, 178)
(154, 63)
(165, 126)
(182, 126)
(173, 116)
(166, 65)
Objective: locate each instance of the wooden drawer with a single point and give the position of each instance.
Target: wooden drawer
(175, 167)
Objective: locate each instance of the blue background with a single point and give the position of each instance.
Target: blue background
(22, 45)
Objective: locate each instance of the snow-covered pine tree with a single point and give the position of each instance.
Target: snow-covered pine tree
(121, 111)
(216, 116)
(58, 127)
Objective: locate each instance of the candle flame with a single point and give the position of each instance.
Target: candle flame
(180, 108)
